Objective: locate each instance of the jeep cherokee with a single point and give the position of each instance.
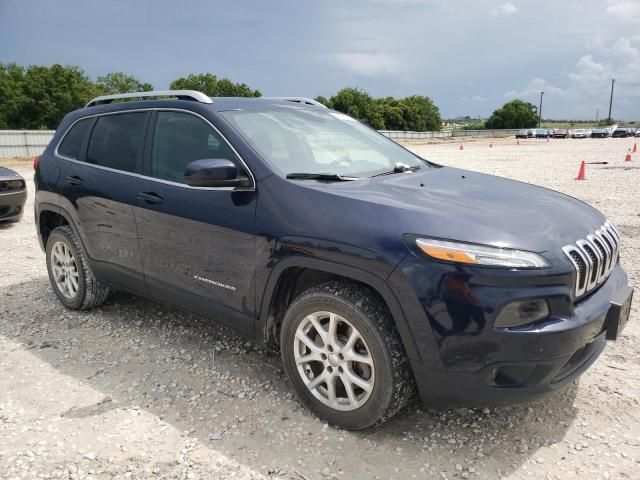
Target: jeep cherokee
(374, 271)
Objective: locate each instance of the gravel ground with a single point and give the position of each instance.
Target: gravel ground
(136, 389)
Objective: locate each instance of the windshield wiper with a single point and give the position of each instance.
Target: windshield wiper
(321, 177)
(398, 169)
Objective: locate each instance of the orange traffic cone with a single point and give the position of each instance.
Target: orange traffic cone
(635, 148)
(627, 158)
(581, 172)
(461, 147)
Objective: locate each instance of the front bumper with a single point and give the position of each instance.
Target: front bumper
(479, 365)
(12, 205)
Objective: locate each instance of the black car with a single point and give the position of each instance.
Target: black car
(621, 133)
(372, 270)
(543, 133)
(13, 195)
(599, 133)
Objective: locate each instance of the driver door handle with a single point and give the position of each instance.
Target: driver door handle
(149, 197)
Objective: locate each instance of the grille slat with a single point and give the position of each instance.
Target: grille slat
(593, 258)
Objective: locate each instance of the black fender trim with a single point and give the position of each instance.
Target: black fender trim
(57, 209)
(377, 283)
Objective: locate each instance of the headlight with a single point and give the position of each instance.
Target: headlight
(470, 254)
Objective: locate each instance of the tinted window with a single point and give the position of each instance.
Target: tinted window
(181, 138)
(72, 143)
(117, 141)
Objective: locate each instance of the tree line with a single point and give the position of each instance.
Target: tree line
(38, 97)
(416, 113)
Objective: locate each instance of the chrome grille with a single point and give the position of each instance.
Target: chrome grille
(594, 258)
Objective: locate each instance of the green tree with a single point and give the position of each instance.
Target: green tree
(416, 113)
(39, 96)
(119, 82)
(421, 114)
(12, 97)
(514, 114)
(211, 85)
(394, 113)
(323, 100)
(359, 104)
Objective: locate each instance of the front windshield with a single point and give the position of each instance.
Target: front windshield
(314, 141)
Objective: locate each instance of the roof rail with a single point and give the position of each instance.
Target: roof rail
(300, 100)
(180, 94)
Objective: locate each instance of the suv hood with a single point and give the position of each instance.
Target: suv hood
(461, 205)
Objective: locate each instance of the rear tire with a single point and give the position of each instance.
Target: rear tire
(70, 274)
(344, 356)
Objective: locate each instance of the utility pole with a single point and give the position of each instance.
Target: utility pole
(597, 113)
(540, 110)
(613, 80)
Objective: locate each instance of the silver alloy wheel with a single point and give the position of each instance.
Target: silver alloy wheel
(334, 361)
(65, 270)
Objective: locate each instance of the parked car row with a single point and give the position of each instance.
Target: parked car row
(620, 132)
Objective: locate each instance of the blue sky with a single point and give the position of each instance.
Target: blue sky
(470, 56)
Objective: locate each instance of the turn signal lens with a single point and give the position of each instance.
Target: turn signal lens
(470, 254)
(447, 254)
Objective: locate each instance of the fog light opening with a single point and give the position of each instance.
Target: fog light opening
(520, 313)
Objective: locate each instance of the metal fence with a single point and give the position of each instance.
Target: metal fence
(485, 133)
(401, 135)
(29, 143)
(24, 143)
(405, 135)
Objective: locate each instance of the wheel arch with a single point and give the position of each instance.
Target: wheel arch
(287, 270)
(48, 218)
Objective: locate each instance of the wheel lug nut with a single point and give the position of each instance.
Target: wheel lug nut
(329, 369)
(340, 369)
(340, 356)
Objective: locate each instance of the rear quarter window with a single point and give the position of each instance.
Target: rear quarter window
(117, 141)
(74, 138)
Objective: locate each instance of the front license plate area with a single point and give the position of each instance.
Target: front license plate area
(619, 312)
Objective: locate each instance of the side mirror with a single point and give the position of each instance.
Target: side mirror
(213, 173)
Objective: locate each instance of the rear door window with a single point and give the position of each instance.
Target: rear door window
(117, 141)
(72, 143)
(181, 138)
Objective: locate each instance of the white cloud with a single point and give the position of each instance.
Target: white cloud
(506, 9)
(588, 82)
(478, 99)
(369, 64)
(533, 88)
(625, 10)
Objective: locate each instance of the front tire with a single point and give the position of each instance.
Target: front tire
(70, 274)
(344, 356)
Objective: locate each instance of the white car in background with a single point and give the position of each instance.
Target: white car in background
(580, 133)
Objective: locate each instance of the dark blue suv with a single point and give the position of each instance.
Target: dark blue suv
(373, 271)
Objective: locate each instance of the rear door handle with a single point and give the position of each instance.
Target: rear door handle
(73, 180)
(149, 197)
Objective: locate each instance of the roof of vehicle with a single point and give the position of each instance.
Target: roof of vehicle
(217, 103)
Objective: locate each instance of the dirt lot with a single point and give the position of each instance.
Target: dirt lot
(136, 389)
